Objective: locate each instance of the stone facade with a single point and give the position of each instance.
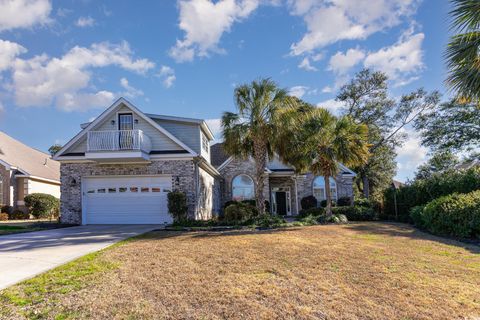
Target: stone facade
(182, 171)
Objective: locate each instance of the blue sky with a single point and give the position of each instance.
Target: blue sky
(63, 62)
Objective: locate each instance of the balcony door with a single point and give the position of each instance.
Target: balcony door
(126, 134)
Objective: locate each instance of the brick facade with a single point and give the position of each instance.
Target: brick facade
(5, 175)
(235, 168)
(182, 171)
(303, 186)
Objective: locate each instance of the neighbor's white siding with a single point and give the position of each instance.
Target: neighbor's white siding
(35, 186)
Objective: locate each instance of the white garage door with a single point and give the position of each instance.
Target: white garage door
(126, 200)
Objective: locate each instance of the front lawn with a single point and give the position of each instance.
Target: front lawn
(355, 271)
(10, 227)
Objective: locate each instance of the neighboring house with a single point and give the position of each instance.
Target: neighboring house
(121, 166)
(24, 170)
(283, 188)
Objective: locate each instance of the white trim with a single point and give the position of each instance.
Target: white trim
(107, 112)
(117, 155)
(344, 168)
(5, 164)
(288, 199)
(37, 178)
(225, 163)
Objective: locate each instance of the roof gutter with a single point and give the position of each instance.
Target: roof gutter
(37, 178)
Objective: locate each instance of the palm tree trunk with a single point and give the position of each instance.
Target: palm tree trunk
(328, 195)
(260, 156)
(366, 186)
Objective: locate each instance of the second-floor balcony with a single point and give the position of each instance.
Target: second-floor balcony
(113, 144)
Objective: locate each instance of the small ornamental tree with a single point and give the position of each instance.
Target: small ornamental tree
(177, 205)
(42, 205)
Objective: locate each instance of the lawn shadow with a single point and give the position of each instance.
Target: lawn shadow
(398, 229)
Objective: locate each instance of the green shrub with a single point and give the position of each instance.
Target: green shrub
(422, 191)
(227, 203)
(268, 221)
(18, 215)
(312, 212)
(323, 203)
(416, 215)
(338, 218)
(177, 205)
(344, 201)
(42, 205)
(356, 213)
(239, 213)
(308, 202)
(456, 215)
(364, 202)
(3, 216)
(6, 209)
(311, 220)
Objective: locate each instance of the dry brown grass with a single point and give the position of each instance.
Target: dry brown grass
(357, 271)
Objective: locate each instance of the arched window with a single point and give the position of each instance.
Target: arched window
(319, 188)
(242, 188)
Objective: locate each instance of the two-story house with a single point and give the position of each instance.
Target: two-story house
(121, 166)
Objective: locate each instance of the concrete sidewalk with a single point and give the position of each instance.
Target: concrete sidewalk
(25, 255)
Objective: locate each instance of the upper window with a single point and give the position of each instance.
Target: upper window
(125, 121)
(205, 143)
(242, 188)
(319, 188)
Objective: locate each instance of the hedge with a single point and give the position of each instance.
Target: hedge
(239, 212)
(177, 205)
(456, 215)
(420, 192)
(42, 205)
(356, 213)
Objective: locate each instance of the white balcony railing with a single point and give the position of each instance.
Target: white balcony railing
(118, 140)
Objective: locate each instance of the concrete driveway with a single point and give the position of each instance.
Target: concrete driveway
(25, 255)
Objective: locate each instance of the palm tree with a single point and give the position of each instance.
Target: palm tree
(462, 54)
(316, 141)
(252, 131)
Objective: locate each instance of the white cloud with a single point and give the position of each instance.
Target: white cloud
(298, 91)
(215, 126)
(81, 101)
(8, 52)
(327, 89)
(204, 23)
(83, 22)
(331, 21)
(130, 92)
(168, 75)
(305, 65)
(401, 61)
(341, 63)
(23, 13)
(66, 81)
(410, 155)
(331, 105)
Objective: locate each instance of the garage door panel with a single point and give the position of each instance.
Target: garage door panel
(126, 200)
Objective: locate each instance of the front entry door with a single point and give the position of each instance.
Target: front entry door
(281, 201)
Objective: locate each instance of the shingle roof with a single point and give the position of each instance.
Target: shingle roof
(217, 155)
(28, 160)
